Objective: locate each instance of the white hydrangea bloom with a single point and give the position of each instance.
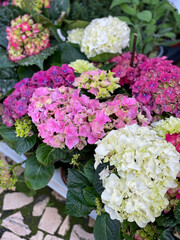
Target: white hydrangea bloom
(168, 126)
(105, 35)
(146, 168)
(75, 35)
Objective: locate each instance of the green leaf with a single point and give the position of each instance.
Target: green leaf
(145, 15)
(125, 19)
(42, 19)
(166, 220)
(25, 144)
(8, 133)
(37, 175)
(76, 204)
(90, 195)
(26, 72)
(8, 77)
(70, 52)
(148, 48)
(4, 60)
(105, 228)
(57, 7)
(103, 57)
(167, 234)
(21, 186)
(177, 212)
(89, 170)
(127, 9)
(108, 66)
(46, 155)
(97, 183)
(6, 15)
(39, 58)
(71, 24)
(118, 2)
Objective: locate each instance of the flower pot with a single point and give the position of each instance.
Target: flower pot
(64, 174)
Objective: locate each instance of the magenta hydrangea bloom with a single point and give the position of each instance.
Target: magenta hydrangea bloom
(65, 118)
(157, 86)
(123, 70)
(26, 38)
(4, 3)
(16, 104)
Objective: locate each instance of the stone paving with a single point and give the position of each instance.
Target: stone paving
(39, 215)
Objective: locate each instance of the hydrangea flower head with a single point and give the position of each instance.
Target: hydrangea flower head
(37, 4)
(4, 3)
(81, 66)
(26, 38)
(105, 35)
(99, 83)
(16, 104)
(146, 167)
(158, 86)
(75, 35)
(6, 180)
(123, 70)
(23, 127)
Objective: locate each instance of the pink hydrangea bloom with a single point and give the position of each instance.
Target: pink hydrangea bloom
(157, 86)
(39, 4)
(16, 104)
(123, 70)
(4, 3)
(64, 117)
(26, 38)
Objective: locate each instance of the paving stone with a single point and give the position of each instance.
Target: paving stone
(65, 226)
(39, 207)
(16, 200)
(78, 233)
(58, 196)
(38, 236)
(50, 220)
(50, 237)
(1, 190)
(91, 222)
(10, 236)
(15, 224)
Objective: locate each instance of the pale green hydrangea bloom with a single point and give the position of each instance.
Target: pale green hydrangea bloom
(75, 35)
(6, 180)
(168, 126)
(23, 127)
(147, 167)
(105, 35)
(81, 66)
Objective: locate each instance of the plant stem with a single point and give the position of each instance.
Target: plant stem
(133, 50)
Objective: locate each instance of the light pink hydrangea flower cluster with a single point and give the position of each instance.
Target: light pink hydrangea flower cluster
(99, 83)
(124, 71)
(26, 38)
(158, 86)
(16, 104)
(66, 118)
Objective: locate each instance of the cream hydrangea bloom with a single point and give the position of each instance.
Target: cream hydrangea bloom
(168, 126)
(146, 168)
(75, 35)
(105, 35)
(81, 66)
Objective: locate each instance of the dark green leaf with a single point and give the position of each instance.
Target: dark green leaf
(104, 57)
(177, 212)
(97, 183)
(42, 19)
(25, 144)
(37, 175)
(8, 133)
(70, 52)
(4, 60)
(8, 77)
(57, 7)
(167, 234)
(145, 15)
(107, 229)
(118, 2)
(127, 9)
(125, 19)
(71, 24)
(166, 220)
(89, 170)
(90, 195)
(108, 66)
(26, 72)
(21, 186)
(76, 179)
(39, 58)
